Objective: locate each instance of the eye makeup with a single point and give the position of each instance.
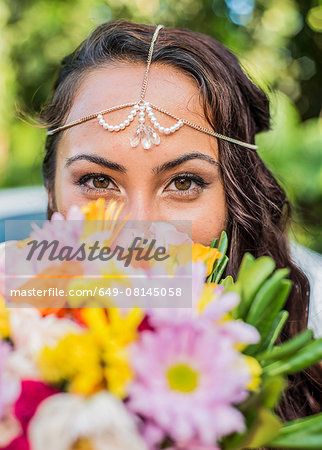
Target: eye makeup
(184, 184)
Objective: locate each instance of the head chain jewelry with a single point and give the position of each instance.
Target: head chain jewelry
(146, 134)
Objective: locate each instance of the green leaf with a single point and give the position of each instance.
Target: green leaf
(246, 263)
(312, 423)
(266, 325)
(299, 441)
(223, 243)
(265, 426)
(227, 282)
(251, 279)
(265, 296)
(219, 264)
(304, 433)
(220, 269)
(268, 395)
(306, 357)
(274, 331)
(213, 244)
(288, 348)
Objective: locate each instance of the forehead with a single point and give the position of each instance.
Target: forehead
(120, 82)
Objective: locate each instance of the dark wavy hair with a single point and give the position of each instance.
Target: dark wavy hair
(258, 210)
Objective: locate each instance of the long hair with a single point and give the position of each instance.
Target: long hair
(258, 210)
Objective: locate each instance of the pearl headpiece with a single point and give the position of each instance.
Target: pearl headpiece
(146, 134)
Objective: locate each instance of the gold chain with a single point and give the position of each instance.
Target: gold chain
(204, 130)
(145, 80)
(89, 117)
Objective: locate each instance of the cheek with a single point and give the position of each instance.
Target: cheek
(212, 217)
(62, 193)
(65, 195)
(66, 198)
(208, 228)
(209, 224)
(207, 217)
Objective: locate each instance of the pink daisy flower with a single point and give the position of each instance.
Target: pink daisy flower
(187, 379)
(66, 231)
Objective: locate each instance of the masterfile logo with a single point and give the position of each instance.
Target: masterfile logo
(88, 264)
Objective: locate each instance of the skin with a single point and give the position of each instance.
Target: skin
(144, 180)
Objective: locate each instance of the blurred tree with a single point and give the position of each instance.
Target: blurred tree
(278, 43)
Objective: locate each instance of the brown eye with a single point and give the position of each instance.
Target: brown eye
(182, 184)
(101, 182)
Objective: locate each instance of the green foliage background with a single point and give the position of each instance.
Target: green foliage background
(278, 42)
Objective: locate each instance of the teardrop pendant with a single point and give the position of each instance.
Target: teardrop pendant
(135, 139)
(146, 139)
(154, 136)
(146, 142)
(146, 135)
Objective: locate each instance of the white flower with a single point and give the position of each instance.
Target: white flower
(166, 233)
(63, 418)
(9, 392)
(126, 237)
(30, 332)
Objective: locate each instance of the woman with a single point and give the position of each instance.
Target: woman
(213, 178)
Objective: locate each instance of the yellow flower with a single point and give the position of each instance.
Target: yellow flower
(97, 358)
(76, 361)
(114, 332)
(101, 291)
(124, 326)
(256, 371)
(83, 443)
(207, 295)
(104, 217)
(97, 210)
(114, 326)
(4, 320)
(23, 243)
(205, 254)
(182, 253)
(117, 370)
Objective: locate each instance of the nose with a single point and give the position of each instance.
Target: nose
(140, 207)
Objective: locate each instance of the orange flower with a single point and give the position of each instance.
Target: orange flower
(73, 313)
(59, 312)
(206, 254)
(105, 217)
(96, 210)
(56, 278)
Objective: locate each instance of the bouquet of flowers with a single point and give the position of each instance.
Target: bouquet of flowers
(98, 373)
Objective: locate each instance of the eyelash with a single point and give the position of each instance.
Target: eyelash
(201, 184)
(84, 179)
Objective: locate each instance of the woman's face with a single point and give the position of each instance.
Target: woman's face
(176, 180)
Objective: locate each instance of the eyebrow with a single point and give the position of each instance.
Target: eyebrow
(181, 159)
(99, 160)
